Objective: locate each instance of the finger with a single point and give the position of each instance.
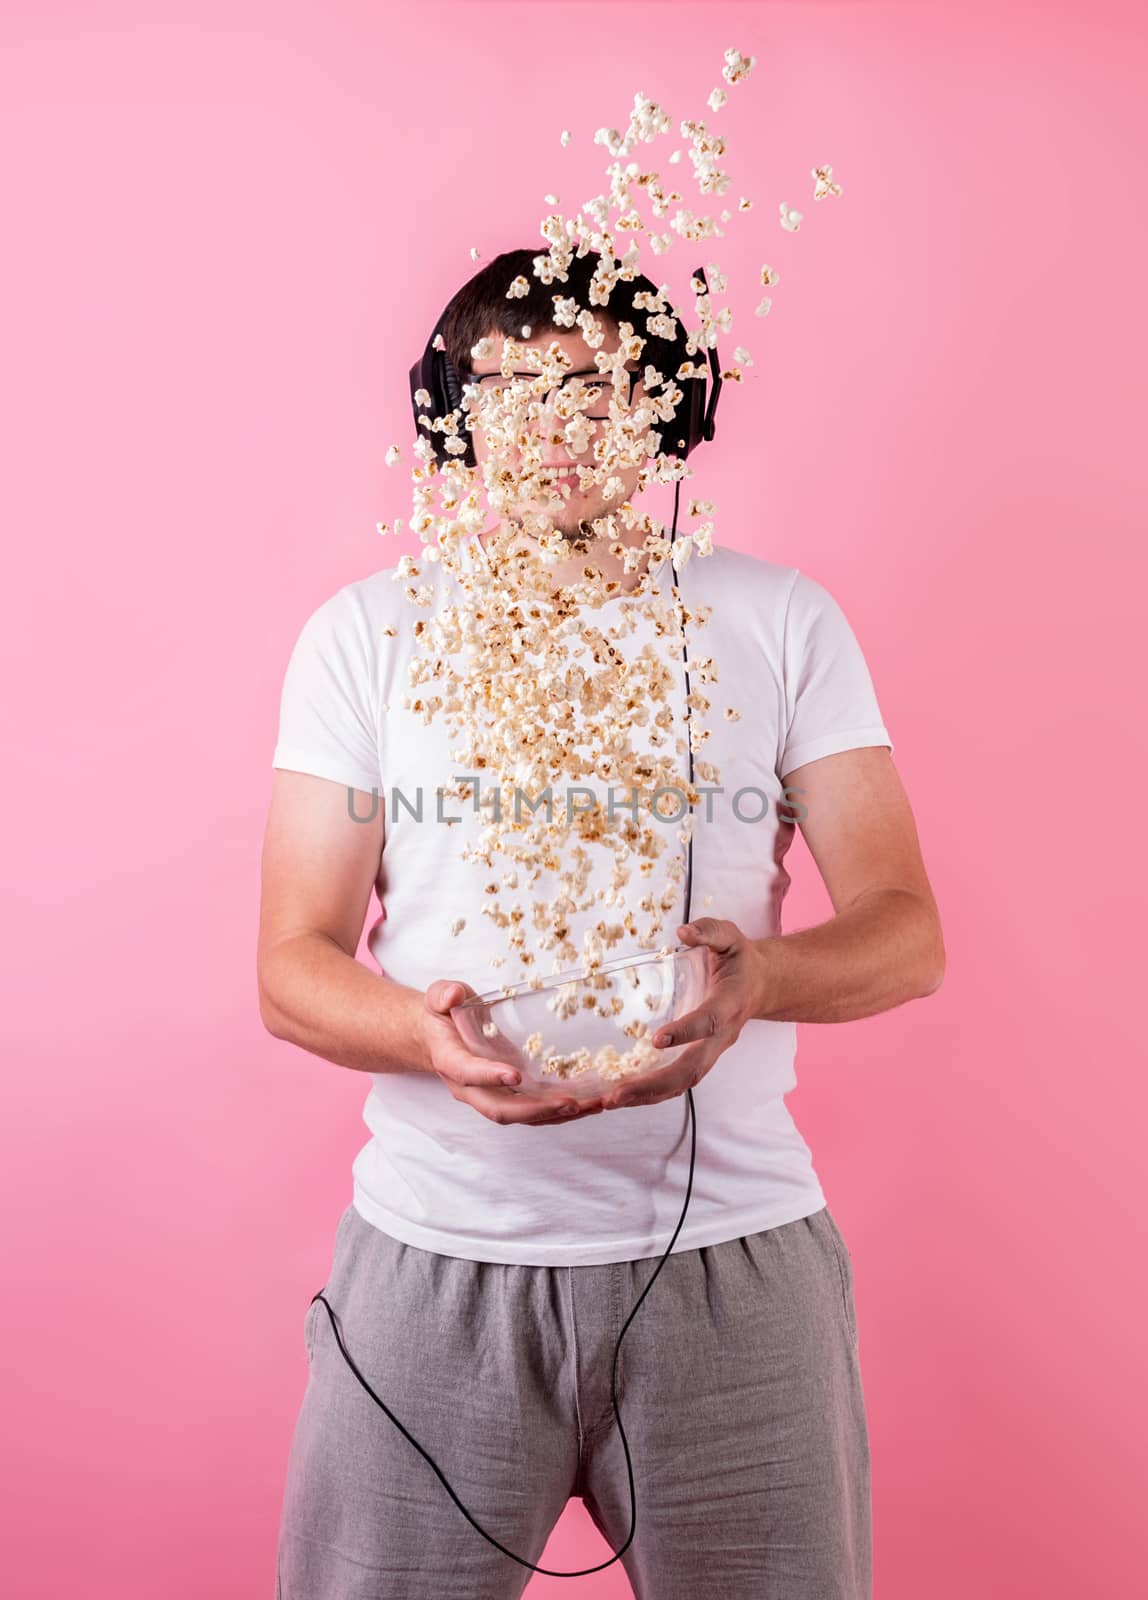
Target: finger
(444, 993)
(629, 1098)
(663, 1083)
(574, 1114)
(506, 1107)
(704, 1023)
(453, 1060)
(716, 933)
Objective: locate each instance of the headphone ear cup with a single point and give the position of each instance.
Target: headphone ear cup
(447, 392)
(448, 385)
(688, 424)
(697, 410)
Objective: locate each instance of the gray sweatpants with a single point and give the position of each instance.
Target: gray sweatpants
(738, 1383)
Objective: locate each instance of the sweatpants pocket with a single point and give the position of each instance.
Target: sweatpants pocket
(845, 1270)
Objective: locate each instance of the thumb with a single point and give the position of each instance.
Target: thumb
(719, 934)
(444, 993)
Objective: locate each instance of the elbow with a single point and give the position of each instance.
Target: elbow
(934, 969)
(270, 1021)
(269, 1014)
(932, 983)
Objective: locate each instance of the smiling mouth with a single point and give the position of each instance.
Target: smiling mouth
(560, 475)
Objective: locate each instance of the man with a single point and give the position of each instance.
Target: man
(494, 1248)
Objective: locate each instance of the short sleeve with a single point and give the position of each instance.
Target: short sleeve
(830, 702)
(327, 716)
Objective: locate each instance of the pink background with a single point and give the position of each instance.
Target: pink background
(229, 232)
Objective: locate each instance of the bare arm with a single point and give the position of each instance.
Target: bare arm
(318, 869)
(330, 1004)
(884, 945)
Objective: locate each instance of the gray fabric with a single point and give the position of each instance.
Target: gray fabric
(740, 1392)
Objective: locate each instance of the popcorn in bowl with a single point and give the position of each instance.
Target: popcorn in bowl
(582, 1033)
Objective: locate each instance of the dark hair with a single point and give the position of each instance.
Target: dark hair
(481, 306)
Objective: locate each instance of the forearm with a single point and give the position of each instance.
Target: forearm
(314, 994)
(879, 952)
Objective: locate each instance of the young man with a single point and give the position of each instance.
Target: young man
(494, 1248)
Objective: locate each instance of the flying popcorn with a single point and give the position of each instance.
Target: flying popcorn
(523, 670)
(822, 183)
(737, 66)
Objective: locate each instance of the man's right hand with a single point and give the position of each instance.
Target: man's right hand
(478, 1082)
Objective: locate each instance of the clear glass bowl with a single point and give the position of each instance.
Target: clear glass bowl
(579, 1033)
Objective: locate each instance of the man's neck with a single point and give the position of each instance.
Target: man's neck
(569, 569)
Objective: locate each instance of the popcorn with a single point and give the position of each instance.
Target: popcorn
(790, 219)
(822, 183)
(393, 454)
(737, 66)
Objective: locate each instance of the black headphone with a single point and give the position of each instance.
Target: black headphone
(437, 374)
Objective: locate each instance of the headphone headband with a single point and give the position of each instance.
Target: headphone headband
(437, 374)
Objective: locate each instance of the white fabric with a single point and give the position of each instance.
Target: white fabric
(436, 1173)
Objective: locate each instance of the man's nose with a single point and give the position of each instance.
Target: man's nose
(548, 409)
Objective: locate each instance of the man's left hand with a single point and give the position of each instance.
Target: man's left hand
(732, 989)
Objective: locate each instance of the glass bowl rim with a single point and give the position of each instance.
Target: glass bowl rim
(576, 975)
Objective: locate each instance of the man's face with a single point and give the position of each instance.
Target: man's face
(563, 499)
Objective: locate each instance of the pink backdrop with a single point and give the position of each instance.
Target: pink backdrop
(229, 230)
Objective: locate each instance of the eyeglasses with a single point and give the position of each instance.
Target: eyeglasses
(588, 386)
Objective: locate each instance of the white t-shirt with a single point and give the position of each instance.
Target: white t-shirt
(436, 1173)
